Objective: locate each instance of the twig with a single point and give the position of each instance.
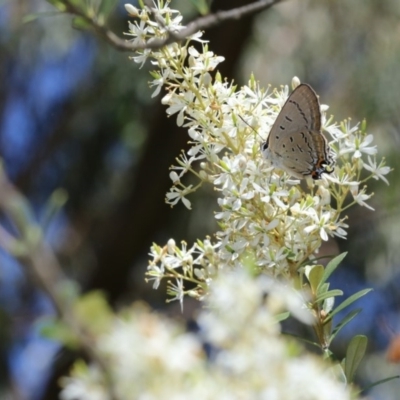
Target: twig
(43, 266)
(196, 25)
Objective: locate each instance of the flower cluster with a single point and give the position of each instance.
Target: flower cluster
(263, 211)
(150, 357)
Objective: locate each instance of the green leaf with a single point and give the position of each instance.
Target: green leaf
(54, 329)
(58, 4)
(302, 339)
(337, 370)
(106, 7)
(68, 291)
(349, 317)
(80, 23)
(35, 16)
(202, 6)
(327, 328)
(78, 3)
(93, 310)
(332, 265)
(282, 316)
(80, 369)
(323, 288)
(53, 206)
(379, 383)
(347, 302)
(327, 295)
(314, 275)
(354, 355)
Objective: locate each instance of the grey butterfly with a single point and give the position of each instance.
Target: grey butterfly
(295, 143)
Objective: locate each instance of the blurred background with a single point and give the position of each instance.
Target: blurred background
(77, 119)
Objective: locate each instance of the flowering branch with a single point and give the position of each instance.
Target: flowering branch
(264, 215)
(200, 23)
(206, 22)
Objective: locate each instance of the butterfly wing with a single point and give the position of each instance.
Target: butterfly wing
(301, 111)
(306, 153)
(295, 143)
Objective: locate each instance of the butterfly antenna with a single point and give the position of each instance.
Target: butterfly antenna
(251, 127)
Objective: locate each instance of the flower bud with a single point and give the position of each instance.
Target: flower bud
(174, 177)
(295, 82)
(132, 11)
(171, 246)
(207, 80)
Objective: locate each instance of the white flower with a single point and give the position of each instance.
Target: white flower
(142, 58)
(177, 291)
(87, 386)
(160, 80)
(360, 197)
(175, 194)
(360, 145)
(321, 223)
(377, 170)
(205, 61)
(139, 32)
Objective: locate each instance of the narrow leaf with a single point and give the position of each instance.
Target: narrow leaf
(314, 276)
(355, 353)
(300, 338)
(347, 302)
(202, 6)
(106, 7)
(80, 23)
(332, 265)
(327, 295)
(323, 288)
(58, 4)
(379, 382)
(349, 317)
(53, 206)
(282, 316)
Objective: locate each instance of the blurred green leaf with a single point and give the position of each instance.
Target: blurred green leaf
(68, 291)
(106, 7)
(338, 371)
(379, 383)
(302, 339)
(347, 302)
(81, 23)
(59, 4)
(323, 288)
(33, 17)
(53, 206)
(282, 316)
(94, 312)
(80, 369)
(327, 328)
(54, 329)
(332, 265)
(349, 317)
(354, 355)
(78, 3)
(202, 6)
(327, 295)
(314, 275)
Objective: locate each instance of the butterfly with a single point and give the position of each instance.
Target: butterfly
(295, 143)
